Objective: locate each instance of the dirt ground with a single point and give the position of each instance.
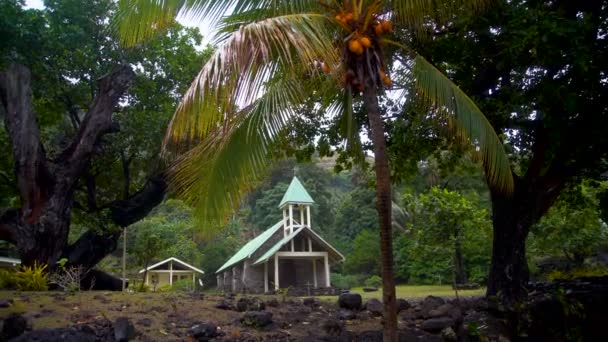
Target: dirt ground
(169, 316)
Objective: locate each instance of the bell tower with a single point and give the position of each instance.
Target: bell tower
(296, 207)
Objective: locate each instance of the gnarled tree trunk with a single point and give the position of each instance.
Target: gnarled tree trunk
(46, 184)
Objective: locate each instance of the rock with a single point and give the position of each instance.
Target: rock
(101, 298)
(437, 324)
(374, 306)
(456, 314)
(223, 305)
(402, 304)
(332, 327)
(203, 331)
(5, 303)
(346, 315)
(146, 322)
(123, 330)
(448, 334)
(350, 301)
(440, 311)
(257, 319)
(14, 325)
(408, 315)
(311, 302)
(430, 303)
(250, 304)
(57, 335)
(364, 315)
(370, 289)
(369, 336)
(273, 303)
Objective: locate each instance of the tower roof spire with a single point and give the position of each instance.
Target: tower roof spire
(296, 194)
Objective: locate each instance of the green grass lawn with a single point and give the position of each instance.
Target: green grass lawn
(419, 291)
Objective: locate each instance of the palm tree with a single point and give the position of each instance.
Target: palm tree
(273, 55)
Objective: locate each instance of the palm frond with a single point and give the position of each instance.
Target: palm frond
(138, 20)
(236, 74)
(417, 14)
(234, 21)
(215, 174)
(467, 121)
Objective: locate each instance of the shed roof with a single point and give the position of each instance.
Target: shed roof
(251, 246)
(171, 259)
(296, 194)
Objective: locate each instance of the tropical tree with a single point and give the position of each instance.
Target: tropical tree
(274, 56)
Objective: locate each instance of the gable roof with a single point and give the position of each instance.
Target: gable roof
(175, 260)
(296, 194)
(270, 252)
(251, 246)
(289, 237)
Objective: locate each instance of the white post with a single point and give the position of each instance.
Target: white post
(309, 245)
(308, 214)
(302, 216)
(147, 278)
(276, 272)
(171, 272)
(290, 218)
(327, 271)
(124, 259)
(266, 276)
(284, 222)
(314, 271)
(291, 224)
(193, 281)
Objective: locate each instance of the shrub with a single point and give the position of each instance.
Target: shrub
(68, 278)
(183, 285)
(8, 279)
(579, 272)
(345, 281)
(32, 278)
(373, 281)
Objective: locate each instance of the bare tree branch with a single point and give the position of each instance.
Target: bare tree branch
(98, 120)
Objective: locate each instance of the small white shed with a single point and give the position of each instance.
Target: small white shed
(170, 270)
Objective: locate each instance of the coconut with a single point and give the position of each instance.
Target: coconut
(354, 46)
(365, 42)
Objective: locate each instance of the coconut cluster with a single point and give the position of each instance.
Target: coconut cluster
(363, 34)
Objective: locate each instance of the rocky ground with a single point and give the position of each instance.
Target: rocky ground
(107, 316)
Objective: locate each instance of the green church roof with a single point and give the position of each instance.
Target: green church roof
(251, 246)
(296, 194)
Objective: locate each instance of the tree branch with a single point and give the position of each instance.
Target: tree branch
(98, 120)
(33, 177)
(126, 212)
(93, 246)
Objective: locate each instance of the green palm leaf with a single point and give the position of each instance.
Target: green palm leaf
(214, 175)
(236, 74)
(467, 121)
(138, 20)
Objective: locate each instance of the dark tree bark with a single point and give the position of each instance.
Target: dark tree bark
(513, 215)
(383, 195)
(39, 229)
(93, 245)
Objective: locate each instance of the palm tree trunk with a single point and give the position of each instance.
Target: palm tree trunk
(383, 196)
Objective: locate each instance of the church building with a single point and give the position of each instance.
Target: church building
(288, 254)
